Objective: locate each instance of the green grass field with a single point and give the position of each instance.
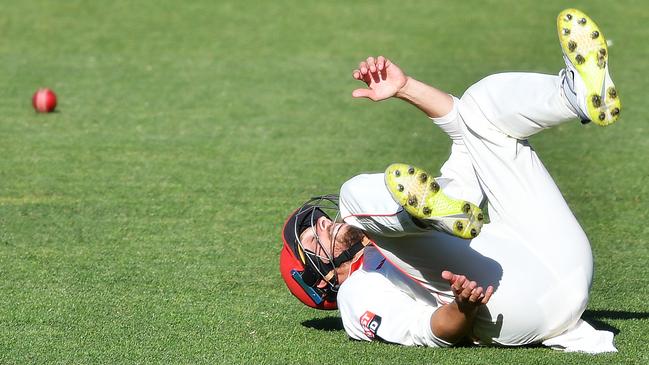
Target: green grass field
(140, 222)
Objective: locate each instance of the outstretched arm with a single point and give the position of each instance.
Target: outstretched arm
(385, 79)
(452, 322)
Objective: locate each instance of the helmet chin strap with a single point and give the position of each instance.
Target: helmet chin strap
(349, 253)
(345, 256)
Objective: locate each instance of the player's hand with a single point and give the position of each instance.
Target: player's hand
(383, 78)
(468, 295)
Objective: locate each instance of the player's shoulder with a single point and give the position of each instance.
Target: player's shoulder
(360, 292)
(361, 286)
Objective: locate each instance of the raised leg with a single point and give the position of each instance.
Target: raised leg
(521, 104)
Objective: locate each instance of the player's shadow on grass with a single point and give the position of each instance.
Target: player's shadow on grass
(325, 324)
(595, 317)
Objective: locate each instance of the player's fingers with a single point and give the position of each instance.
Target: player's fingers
(376, 75)
(380, 62)
(363, 67)
(476, 294)
(459, 281)
(356, 74)
(371, 64)
(487, 295)
(466, 292)
(468, 286)
(367, 77)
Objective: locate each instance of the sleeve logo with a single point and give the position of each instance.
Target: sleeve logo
(370, 323)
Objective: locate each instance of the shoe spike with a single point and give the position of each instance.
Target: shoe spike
(572, 45)
(596, 100)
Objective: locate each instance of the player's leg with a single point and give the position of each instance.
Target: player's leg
(523, 197)
(502, 110)
(366, 203)
(522, 104)
(520, 191)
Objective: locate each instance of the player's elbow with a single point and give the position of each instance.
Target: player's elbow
(450, 324)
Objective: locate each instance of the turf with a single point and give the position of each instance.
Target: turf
(140, 222)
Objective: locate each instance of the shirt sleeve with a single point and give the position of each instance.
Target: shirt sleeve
(372, 308)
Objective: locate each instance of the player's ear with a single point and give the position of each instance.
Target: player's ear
(321, 223)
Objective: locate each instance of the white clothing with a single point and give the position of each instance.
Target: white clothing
(379, 288)
(533, 251)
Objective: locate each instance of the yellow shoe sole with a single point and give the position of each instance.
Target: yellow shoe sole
(585, 46)
(421, 196)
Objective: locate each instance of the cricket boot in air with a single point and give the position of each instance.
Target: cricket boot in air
(587, 83)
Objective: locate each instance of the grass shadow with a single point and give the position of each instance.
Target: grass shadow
(596, 317)
(325, 324)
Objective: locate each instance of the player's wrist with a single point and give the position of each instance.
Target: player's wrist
(404, 91)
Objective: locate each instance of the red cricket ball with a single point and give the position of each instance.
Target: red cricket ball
(44, 100)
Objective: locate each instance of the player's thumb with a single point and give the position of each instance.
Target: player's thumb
(362, 93)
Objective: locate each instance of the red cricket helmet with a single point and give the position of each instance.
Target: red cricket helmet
(302, 269)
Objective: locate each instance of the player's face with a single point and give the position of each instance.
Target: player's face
(323, 237)
(326, 239)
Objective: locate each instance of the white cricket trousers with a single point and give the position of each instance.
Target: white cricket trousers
(533, 250)
(497, 114)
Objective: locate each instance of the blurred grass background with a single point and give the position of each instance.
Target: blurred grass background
(140, 222)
